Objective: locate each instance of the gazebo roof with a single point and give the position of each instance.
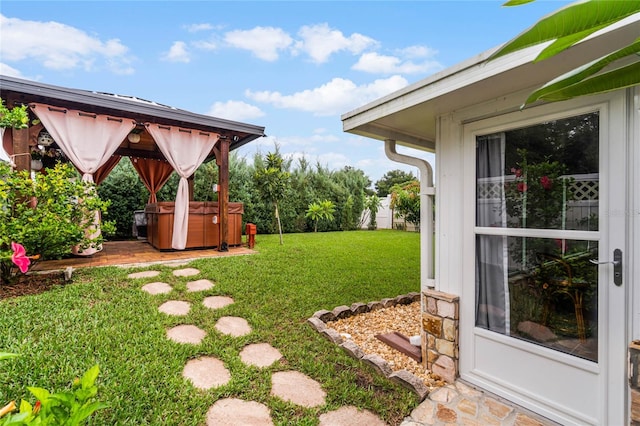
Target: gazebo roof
(19, 91)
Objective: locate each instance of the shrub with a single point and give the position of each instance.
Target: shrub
(50, 214)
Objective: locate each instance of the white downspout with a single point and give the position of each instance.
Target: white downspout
(427, 193)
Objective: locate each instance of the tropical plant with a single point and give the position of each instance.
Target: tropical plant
(373, 205)
(569, 26)
(391, 178)
(272, 182)
(405, 201)
(322, 210)
(51, 214)
(68, 408)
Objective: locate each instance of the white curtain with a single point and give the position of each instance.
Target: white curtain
(88, 140)
(492, 284)
(185, 150)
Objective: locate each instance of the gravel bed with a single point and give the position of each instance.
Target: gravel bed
(405, 319)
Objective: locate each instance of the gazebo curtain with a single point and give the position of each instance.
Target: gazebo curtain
(185, 150)
(153, 173)
(103, 171)
(88, 140)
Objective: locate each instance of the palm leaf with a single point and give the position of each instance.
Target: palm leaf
(578, 18)
(575, 76)
(619, 78)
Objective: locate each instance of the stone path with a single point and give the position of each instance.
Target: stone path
(208, 372)
(450, 405)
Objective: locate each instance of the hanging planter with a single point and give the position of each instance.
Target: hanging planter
(36, 164)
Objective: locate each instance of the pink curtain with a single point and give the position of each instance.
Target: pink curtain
(185, 150)
(154, 174)
(88, 140)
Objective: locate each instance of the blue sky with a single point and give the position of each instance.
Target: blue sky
(292, 67)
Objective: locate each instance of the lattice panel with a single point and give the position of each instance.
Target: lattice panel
(585, 190)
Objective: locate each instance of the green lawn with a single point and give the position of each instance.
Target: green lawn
(104, 318)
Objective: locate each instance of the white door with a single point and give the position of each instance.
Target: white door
(541, 324)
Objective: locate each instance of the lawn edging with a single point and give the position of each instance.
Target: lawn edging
(319, 322)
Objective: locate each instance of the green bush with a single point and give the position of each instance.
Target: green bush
(49, 215)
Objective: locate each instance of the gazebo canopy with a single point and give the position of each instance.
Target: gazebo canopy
(17, 91)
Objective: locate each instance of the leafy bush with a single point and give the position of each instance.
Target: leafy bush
(50, 214)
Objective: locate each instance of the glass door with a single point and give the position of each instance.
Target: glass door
(546, 320)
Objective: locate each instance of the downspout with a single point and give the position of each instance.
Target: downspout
(427, 194)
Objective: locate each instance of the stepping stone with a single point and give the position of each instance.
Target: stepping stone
(186, 334)
(175, 307)
(157, 288)
(143, 274)
(199, 285)
(186, 272)
(233, 326)
(217, 302)
(260, 355)
(350, 416)
(206, 373)
(236, 412)
(298, 388)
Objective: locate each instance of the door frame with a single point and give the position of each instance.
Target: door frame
(613, 301)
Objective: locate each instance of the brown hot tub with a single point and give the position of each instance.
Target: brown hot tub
(203, 232)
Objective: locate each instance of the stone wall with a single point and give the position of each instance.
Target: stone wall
(440, 333)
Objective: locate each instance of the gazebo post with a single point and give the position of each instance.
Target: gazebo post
(21, 152)
(222, 160)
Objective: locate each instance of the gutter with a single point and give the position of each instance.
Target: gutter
(427, 194)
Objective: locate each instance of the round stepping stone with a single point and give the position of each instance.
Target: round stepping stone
(199, 285)
(186, 272)
(206, 373)
(175, 307)
(157, 288)
(235, 412)
(350, 416)
(260, 355)
(186, 334)
(217, 302)
(143, 274)
(298, 388)
(233, 326)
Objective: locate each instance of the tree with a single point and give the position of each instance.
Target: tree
(373, 205)
(322, 210)
(405, 200)
(391, 178)
(272, 181)
(569, 26)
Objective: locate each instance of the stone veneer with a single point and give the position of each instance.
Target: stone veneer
(440, 331)
(319, 322)
(634, 381)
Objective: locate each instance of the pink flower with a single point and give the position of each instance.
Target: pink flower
(19, 257)
(522, 187)
(546, 182)
(517, 172)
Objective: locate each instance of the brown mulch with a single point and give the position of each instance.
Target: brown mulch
(30, 284)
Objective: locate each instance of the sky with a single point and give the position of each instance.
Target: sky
(293, 67)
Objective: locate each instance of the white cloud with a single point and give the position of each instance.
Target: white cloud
(417, 52)
(381, 64)
(60, 47)
(235, 110)
(263, 42)
(205, 44)
(333, 98)
(9, 71)
(320, 42)
(194, 28)
(178, 52)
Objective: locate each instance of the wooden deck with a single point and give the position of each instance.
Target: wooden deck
(134, 253)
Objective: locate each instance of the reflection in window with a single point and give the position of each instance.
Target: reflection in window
(540, 177)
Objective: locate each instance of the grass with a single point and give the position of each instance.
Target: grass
(104, 318)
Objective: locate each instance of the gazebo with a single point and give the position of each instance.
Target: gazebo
(95, 130)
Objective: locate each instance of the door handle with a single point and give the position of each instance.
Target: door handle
(617, 266)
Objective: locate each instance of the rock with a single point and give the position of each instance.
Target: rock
(411, 382)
